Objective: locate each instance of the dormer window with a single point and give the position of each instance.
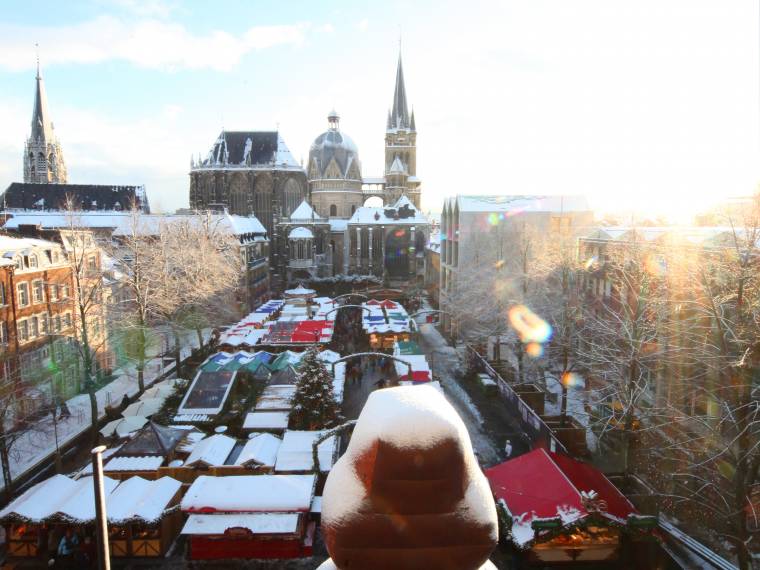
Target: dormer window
(33, 261)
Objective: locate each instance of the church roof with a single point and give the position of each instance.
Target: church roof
(397, 167)
(402, 212)
(333, 144)
(300, 233)
(399, 118)
(304, 212)
(87, 197)
(241, 148)
(42, 126)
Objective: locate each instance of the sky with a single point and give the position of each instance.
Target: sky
(645, 105)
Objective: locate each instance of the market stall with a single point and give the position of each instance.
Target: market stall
(250, 516)
(561, 510)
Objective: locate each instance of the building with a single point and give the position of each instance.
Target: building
(306, 245)
(479, 230)
(81, 197)
(247, 173)
(43, 156)
(110, 227)
(433, 267)
(39, 360)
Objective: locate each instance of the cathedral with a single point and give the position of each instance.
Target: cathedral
(333, 232)
(43, 157)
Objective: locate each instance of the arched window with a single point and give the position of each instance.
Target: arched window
(333, 210)
(353, 209)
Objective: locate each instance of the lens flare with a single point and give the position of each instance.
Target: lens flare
(529, 325)
(399, 233)
(590, 262)
(534, 350)
(572, 380)
(655, 265)
(499, 264)
(493, 219)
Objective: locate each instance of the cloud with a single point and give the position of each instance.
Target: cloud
(146, 43)
(363, 24)
(143, 8)
(327, 28)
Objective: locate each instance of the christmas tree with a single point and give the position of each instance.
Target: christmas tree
(314, 405)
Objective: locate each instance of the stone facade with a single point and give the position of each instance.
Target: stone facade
(43, 156)
(248, 173)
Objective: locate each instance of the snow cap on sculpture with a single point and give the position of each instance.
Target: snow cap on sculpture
(408, 493)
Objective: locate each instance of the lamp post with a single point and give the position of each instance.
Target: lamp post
(101, 525)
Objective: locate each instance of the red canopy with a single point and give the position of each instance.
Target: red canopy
(540, 482)
(417, 376)
(311, 331)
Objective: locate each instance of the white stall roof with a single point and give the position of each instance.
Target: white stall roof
(140, 499)
(295, 453)
(266, 420)
(143, 463)
(259, 523)
(249, 493)
(58, 496)
(214, 450)
(260, 450)
(276, 397)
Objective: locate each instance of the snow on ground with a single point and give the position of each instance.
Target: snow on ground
(34, 447)
(445, 361)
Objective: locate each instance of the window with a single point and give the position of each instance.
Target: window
(57, 323)
(33, 261)
(333, 210)
(353, 209)
(38, 291)
(23, 294)
(19, 264)
(54, 292)
(92, 263)
(67, 320)
(55, 256)
(44, 323)
(2, 294)
(3, 332)
(65, 291)
(23, 330)
(34, 329)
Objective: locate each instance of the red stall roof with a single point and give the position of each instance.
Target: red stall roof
(543, 484)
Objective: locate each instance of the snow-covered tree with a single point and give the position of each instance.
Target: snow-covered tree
(314, 404)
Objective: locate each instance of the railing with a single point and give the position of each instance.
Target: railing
(532, 424)
(301, 263)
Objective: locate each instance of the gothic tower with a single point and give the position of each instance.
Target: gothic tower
(43, 157)
(401, 147)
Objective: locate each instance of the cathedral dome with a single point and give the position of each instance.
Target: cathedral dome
(333, 145)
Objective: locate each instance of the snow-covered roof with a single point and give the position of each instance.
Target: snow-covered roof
(15, 244)
(213, 450)
(266, 420)
(276, 398)
(129, 463)
(58, 497)
(522, 203)
(250, 493)
(259, 523)
(121, 222)
(338, 225)
(140, 499)
(372, 215)
(304, 211)
(260, 450)
(284, 157)
(300, 233)
(295, 453)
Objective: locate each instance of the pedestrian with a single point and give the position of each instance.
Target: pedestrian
(66, 548)
(508, 449)
(65, 413)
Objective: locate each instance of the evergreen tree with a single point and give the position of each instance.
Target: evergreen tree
(314, 405)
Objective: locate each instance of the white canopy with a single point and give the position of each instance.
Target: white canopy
(145, 408)
(266, 420)
(295, 453)
(250, 493)
(260, 450)
(123, 426)
(140, 499)
(212, 451)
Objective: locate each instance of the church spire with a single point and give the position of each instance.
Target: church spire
(42, 127)
(400, 112)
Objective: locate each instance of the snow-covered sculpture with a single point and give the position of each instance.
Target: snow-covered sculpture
(408, 492)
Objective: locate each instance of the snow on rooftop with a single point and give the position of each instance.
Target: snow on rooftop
(259, 523)
(260, 450)
(304, 212)
(300, 233)
(129, 463)
(212, 451)
(372, 215)
(295, 453)
(250, 493)
(266, 420)
(284, 157)
(338, 225)
(276, 398)
(406, 417)
(140, 499)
